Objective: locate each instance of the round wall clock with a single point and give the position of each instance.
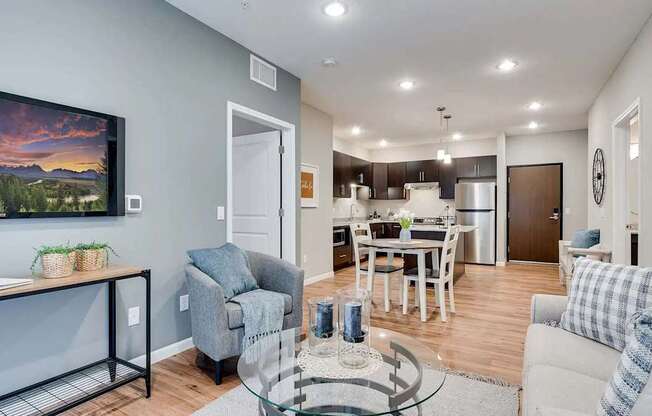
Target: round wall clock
(598, 176)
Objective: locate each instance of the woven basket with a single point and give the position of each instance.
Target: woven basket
(57, 265)
(90, 260)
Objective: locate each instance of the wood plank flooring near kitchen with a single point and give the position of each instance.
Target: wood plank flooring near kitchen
(485, 336)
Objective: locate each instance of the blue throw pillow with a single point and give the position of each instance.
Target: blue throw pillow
(228, 266)
(585, 238)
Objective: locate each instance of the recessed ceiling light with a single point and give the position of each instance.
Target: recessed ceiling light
(457, 136)
(507, 65)
(335, 9)
(356, 130)
(535, 106)
(329, 62)
(533, 125)
(407, 84)
(383, 143)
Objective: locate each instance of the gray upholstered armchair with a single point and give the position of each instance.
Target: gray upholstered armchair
(217, 328)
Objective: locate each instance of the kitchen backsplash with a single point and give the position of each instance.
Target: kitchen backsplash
(423, 203)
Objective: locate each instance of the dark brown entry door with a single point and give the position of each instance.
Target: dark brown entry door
(534, 212)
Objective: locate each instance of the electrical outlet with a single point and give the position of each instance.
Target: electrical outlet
(134, 316)
(305, 259)
(183, 303)
(220, 213)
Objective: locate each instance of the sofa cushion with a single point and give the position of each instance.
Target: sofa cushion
(633, 371)
(603, 298)
(228, 266)
(545, 345)
(546, 386)
(234, 311)
(585, 238)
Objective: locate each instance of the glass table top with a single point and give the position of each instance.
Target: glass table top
(401, 375)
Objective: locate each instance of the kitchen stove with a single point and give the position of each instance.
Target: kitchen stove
(431, 220)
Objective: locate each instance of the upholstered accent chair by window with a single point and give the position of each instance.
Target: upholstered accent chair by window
(217, 326)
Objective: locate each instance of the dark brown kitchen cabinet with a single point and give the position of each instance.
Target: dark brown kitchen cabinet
(341, 175)
(378, 188)
(392, 230)
(422, 171)
(476, 167)
(378, 229)
(396, 174)
(361, 171)
(447, 180)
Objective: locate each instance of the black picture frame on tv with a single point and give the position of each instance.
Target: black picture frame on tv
(59, 161)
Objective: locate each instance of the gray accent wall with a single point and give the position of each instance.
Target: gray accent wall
(569, 148)
(317, 223)
(170, 76)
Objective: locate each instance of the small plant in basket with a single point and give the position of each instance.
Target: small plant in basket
(56, 261)
(93, 256)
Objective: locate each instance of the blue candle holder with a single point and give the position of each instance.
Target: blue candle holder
(322, 328)
(354, 306)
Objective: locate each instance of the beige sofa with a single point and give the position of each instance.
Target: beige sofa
(565, 374)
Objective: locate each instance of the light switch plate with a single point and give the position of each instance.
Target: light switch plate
(183, 302)
(220, 213)
(134, 316)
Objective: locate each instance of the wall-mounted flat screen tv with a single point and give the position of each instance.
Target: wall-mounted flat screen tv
(59, 161)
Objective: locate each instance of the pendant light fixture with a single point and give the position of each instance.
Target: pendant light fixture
(441, 153)
(447, 156)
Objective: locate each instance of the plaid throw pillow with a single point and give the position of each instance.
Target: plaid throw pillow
(633, 371)
(603, 298)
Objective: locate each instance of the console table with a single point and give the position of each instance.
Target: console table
(65, 391)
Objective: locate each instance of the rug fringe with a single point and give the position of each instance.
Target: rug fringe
(479, 377)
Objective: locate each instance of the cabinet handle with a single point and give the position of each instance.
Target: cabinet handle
(342, 256)
(404, 192)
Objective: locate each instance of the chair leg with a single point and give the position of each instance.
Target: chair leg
(416, 294)
(219, 368)
(451, 296)
(387, 290)
(442, 301)
(406, 289)
(357, 278)
(401, 288)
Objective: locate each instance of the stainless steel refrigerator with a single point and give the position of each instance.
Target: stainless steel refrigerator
(475, 204)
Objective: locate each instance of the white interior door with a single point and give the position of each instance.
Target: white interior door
(257, 192)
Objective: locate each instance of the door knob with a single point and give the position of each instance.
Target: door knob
(554, 217)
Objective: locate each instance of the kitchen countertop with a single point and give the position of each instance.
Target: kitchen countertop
(415, 227)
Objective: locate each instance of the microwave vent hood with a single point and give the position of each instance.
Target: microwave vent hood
(422, 185)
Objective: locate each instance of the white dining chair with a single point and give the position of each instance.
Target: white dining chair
(360, 232)
(442, 277)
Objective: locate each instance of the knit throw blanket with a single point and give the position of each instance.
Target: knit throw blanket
(262, 314)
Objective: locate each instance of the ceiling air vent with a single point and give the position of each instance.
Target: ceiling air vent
(262, 72)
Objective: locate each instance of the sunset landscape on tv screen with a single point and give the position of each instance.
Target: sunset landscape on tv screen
(51, 161)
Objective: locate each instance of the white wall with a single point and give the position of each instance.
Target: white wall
(501, 199)
(631, 79)
(567, 147)
(350, 148)
(316, 223)
(462, 148)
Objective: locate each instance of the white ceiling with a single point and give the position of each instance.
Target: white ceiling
(566, 50)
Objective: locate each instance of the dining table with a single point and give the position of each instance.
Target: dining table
(393, 246)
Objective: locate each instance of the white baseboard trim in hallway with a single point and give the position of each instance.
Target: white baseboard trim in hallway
(165, 352)
(319, 277)
(501, 264)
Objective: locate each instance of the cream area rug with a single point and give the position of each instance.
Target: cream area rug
(461, 395)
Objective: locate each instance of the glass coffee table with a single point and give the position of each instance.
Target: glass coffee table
(401, 376)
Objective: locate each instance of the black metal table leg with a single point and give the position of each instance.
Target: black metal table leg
(148, 332)
(112, 330)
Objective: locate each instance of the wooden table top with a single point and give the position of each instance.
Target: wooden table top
(395, 243)
(41, 284)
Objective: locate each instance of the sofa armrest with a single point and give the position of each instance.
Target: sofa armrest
(280, 276)
(208, 317)
(593, 253)
(547, 308)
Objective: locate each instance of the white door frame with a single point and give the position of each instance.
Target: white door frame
(621, 243)
(288, 174)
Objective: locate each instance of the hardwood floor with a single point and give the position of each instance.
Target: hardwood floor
(485, 336)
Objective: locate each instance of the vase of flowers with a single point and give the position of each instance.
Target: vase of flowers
(405, 218)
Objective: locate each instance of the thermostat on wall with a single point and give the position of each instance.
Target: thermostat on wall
(134, 204)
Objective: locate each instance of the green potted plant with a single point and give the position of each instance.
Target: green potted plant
(56, 261)
(93, 256)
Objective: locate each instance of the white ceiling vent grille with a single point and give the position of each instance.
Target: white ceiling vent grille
(262, 72)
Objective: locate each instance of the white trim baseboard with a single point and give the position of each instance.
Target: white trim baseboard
(317, 278)
(501, 264)
(165, 352)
